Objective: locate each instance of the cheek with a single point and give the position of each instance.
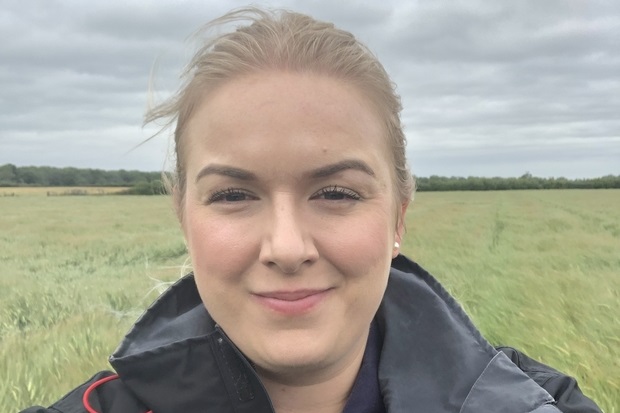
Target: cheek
(218, 249)
(363, 247)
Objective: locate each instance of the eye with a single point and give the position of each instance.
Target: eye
(337, 193)
(230, 195)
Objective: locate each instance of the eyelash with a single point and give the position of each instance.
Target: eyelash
(338, 190)
(220, 196)
(346, 193)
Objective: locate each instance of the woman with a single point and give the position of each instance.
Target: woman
(291, 189)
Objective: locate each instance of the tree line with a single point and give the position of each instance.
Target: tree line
(11, 175)
(525, 181)
(150, 182)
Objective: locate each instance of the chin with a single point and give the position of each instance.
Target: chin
(295, 370)
(294, 358)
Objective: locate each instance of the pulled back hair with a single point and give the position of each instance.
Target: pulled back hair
(285, 41)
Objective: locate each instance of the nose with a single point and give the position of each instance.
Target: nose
(287, 244)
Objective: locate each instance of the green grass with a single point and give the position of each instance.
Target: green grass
(538, 270)
(75, 272)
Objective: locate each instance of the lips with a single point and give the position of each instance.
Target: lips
(292, 302)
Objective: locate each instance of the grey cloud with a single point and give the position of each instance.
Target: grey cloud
(476, 77)
(537, 73)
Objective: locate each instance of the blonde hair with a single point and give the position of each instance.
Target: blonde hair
(287, 41)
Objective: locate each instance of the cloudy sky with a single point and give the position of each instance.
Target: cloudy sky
(490, 88)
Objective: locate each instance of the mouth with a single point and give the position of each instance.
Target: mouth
(292, 302)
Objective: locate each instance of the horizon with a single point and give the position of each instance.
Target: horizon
(413, 174)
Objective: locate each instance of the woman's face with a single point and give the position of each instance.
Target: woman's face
(290, 217)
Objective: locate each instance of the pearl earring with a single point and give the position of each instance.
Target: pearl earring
(396, 245)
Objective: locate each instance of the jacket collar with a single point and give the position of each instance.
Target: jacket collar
(436, 360)
(176, 358)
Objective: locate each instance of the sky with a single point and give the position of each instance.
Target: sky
(489, 88)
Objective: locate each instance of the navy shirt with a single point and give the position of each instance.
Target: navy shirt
(365, 395)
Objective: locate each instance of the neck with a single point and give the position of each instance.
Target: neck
(325, 391)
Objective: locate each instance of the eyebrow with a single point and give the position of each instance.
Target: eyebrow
(230, 171)
(337, 167)
(322, 172)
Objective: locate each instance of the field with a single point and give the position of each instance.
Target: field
(538, 270)
(59, 190)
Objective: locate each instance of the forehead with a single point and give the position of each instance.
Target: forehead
(285, 116)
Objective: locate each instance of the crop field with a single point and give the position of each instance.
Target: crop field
(537, 270)
(59, 190)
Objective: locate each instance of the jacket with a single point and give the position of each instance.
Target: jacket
(177, 359)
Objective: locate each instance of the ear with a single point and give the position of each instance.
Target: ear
(400, 227)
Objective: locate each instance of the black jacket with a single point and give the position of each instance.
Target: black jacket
(176, 359)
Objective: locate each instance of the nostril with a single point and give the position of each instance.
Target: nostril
(288, 258)
(288, 265)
